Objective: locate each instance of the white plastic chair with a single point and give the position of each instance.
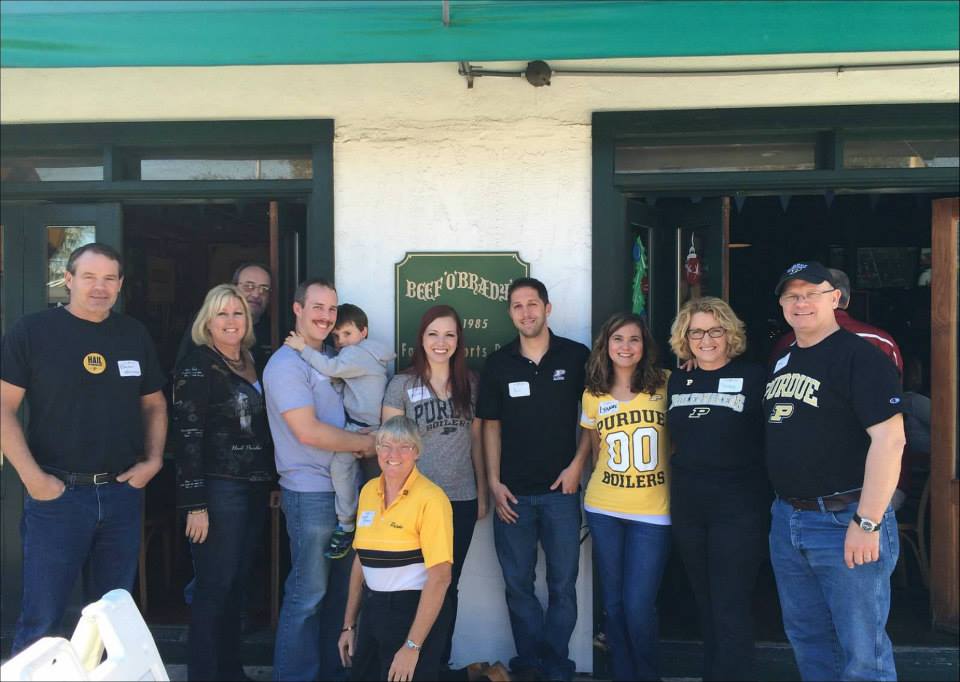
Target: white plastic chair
(49, 658)
(114, 625)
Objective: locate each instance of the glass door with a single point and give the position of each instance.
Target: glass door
(36, 242)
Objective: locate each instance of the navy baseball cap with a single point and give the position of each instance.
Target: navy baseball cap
(809, 271)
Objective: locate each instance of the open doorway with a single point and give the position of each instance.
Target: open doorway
(174, 253)
(883, 242)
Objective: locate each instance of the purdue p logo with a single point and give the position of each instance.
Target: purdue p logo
(698, 412)
(94, 363)
(780, 412)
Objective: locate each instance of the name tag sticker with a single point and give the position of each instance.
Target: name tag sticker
(129, 368)
(608, 407)
(366, 518)
(418, 393)
(781, 363)
(519, 389)
(730, 385)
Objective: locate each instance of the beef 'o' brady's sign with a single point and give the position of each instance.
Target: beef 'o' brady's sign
(475, 284)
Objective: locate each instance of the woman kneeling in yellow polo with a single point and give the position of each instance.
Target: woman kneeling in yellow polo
(404, 546)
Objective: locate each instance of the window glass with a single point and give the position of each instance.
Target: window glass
(251, 168)
(904, 153)
(61, 241)
(712, 158)
(51, 168)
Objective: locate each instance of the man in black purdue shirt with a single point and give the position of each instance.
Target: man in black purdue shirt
(98, 421)
(834, 436)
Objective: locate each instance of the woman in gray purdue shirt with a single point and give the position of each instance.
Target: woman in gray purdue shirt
(439, 393)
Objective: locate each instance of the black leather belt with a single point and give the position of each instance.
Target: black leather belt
(831, 503)
(70, 478)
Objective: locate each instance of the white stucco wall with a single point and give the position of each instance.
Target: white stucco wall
(422, 163)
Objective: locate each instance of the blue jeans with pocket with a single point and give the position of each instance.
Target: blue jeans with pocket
(311, 520)
(236, 510)
(834, 616)
(542, 640)
(89, 529)
(630, 557)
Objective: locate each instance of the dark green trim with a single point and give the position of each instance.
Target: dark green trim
(164, 134)
(127, 190)
(122, 143)
(612, 263)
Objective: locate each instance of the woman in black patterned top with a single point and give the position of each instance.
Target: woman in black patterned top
(224, 467)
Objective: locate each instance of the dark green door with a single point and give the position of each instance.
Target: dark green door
(36, 241)
(684, 247)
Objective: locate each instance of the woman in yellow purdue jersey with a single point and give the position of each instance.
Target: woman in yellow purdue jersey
(404, 546)
(627, 499)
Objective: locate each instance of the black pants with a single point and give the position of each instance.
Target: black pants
(720, 526)
(385, 620)
(464, 520)
(236, 516)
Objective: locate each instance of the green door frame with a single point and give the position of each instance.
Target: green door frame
(612, 248)
(117, 144)
(611, 240)
(28, 206)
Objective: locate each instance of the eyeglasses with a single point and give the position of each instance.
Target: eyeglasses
(812, 297)
(250, 287)
(403, 448)
(713, 333)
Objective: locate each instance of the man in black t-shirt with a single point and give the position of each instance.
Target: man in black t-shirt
(95, 437)
(834, 437)
(529, 400)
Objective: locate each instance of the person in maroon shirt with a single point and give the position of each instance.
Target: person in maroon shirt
(867, 332)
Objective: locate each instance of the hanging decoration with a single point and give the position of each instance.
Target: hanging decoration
(641, 285)
(692, 269)
(828, 196)
(784, 201)
(740, 200)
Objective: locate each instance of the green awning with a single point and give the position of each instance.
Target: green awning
(36, 33)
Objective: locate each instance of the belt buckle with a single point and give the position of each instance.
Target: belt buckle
(97, 481)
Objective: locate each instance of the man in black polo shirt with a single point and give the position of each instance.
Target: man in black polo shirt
(98, 421)
(834, 437)
(529, 400)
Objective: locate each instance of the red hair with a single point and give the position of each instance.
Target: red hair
(459, 381)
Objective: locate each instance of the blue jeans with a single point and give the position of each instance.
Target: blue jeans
(834, 616)
(630, 557)
(90, 528)
(311, 520)
(542, 641)
(236, 510)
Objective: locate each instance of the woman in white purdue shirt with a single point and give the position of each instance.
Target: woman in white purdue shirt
(404, 546)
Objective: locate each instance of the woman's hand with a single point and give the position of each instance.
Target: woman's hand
(404, 663)
(198, 526)
(345, 645)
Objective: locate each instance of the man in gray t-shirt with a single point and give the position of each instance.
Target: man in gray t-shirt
(306, 420)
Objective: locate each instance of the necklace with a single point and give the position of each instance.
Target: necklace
(238, 365)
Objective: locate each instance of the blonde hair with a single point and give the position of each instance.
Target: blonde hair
(720, 309)
(214, 302)
(402, 429)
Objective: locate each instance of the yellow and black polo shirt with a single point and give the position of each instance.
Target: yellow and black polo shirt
(397, 544)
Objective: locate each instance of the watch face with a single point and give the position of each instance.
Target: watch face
(867, 525)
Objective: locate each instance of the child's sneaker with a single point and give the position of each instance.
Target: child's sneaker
(340, 543)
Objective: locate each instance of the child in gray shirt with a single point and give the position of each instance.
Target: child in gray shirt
(362, 366)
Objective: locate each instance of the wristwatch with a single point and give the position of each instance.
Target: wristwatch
(410, 644)
(866, 524)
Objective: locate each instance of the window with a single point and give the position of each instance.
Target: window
(58, 167)
(772, 155)
(906, 152)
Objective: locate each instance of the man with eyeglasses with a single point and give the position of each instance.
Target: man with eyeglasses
(872, 335)
(834, 438)
(254, 282)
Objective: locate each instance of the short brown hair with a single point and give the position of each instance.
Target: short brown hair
(347, 312)
(94, 247)
(300, 295)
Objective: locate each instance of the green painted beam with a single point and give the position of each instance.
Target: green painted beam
(39, 33)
